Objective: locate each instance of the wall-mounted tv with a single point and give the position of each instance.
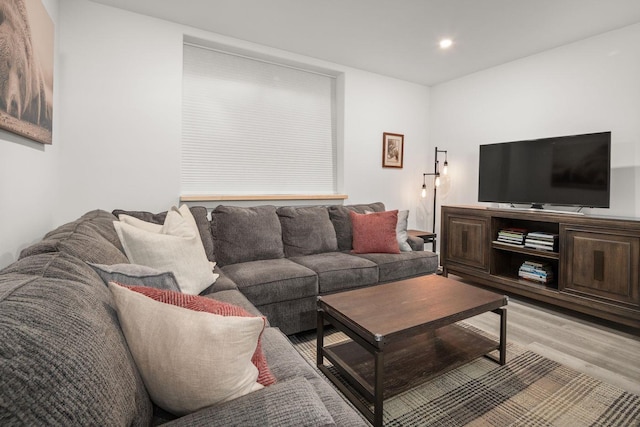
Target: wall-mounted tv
(566, 171)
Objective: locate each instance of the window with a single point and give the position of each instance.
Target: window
(255, 127)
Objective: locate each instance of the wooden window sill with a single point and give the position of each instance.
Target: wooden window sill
(259, 197)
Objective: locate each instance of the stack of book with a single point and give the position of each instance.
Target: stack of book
(512, 236)
(537, 271)
(542, 241)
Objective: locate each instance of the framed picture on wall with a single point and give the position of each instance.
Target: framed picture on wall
(392, 150)
(26, 70)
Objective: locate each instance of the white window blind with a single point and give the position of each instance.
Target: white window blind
(255, 127)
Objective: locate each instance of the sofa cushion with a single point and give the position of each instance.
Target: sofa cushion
(98, 220)
(210, 305)
(54, 265)
(286, 364)
(375, 232)
(235, 297)
(80, 240)
(290, 403)
(246, 234)
(403, 265)
(222, 283)
(339, 271)
(342, 222)
(185, 357)
(136, 275)
(199, 215)
(139, 223)
(274, 280)
(306, 230)
(64, 358)
(176, 248)
(155, 218)
(292, 316)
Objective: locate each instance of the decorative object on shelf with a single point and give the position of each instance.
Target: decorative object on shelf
(26, 79)
(392, 150)
(436, 181)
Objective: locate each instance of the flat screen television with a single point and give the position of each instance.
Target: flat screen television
(565, 171)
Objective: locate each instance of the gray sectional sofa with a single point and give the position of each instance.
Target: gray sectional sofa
(65, 361)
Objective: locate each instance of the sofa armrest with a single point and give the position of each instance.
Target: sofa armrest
(416, 243)
(287, 403)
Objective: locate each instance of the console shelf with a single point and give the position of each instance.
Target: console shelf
(596, 269)
(532, 252)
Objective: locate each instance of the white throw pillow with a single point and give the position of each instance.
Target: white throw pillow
(176, 248)
(401, 231)
(188, 359)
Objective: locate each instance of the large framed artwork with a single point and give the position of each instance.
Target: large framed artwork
(392, 150)
(26, 69)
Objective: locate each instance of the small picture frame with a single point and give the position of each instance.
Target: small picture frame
(392, 150)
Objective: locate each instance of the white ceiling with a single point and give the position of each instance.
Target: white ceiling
(400, 38)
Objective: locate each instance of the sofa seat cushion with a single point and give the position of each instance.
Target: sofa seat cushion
(342, 222)
(291, 403)
(306, 230)
(286, 364)
(222, 283)
(292, 316)
(403, 265)
(64, 358)
(246, 234)
(274, 280)
(338, 271)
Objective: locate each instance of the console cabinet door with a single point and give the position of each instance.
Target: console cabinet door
(467, 239)
(603, 265)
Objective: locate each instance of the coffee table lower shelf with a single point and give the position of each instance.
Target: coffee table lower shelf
(410, 362)
(388, 353)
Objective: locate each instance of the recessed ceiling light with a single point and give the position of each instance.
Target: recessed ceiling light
(446, 43)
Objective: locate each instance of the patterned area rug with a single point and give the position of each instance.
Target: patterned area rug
(529, 390)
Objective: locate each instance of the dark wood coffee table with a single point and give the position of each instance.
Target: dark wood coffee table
(403, 334)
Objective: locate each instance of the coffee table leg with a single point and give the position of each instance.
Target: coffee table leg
(503, 335)
(379, 389)
(320, 338)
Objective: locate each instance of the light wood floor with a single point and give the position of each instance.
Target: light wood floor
(604, 351)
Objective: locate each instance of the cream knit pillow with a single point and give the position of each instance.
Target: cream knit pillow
(176, 247)
(188, 359)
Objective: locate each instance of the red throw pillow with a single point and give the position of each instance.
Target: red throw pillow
(374, 232)
(209, 305)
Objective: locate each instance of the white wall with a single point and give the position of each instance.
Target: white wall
(588, 86)
(117, 121)
(28, 177)
(117, 127)
(121, 97)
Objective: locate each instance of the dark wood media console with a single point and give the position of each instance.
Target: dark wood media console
(596, 268)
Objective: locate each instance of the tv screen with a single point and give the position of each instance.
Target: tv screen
(566, 170)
